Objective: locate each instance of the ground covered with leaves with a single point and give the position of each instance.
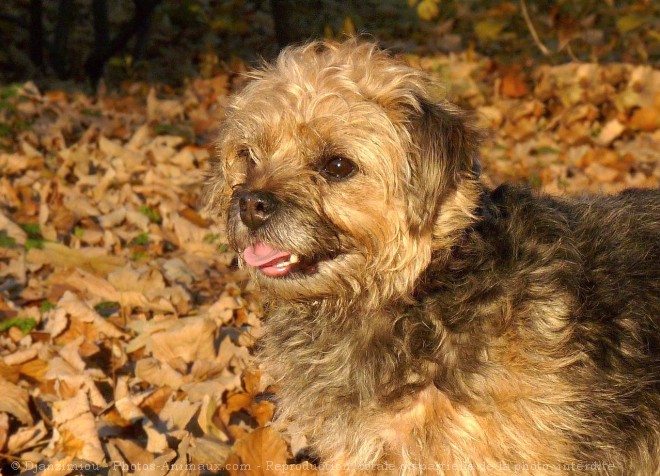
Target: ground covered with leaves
(127, 333)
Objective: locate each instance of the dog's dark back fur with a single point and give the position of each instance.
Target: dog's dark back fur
(603, 256)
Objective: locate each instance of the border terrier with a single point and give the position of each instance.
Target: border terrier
(418, 321)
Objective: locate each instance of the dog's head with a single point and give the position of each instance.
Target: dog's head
(340, 173)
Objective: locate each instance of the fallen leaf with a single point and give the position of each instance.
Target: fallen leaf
(610, 132)
(513, 85)
(628, 23)
(645, 119)
(88, 259)
(427, 10)
(489, 29)
(263, 451)
(26, 438)
(158, 374)
(189, 339)
(14, 400)
(77, 435)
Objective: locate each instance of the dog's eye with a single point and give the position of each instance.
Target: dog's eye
(338, 168)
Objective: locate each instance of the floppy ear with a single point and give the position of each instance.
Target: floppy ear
(444, 152)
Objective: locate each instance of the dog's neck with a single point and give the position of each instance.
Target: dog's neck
(412, 339)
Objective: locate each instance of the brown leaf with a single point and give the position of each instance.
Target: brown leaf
(132, 453)
(645, 119)
(158, 374)
(162, 109)
(263, 451)
(238, 401)
(35, 369)
(15, 402)
(94, 260)
(262, 412)
(513, 84)
(9, 373)
(176, 414)
(208, 451)
(610, 132)
(26, 437)
(77, 435)
(189, 339)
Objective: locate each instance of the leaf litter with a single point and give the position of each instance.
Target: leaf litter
(127, 334)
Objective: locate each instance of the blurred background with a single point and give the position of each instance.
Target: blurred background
(168, 40)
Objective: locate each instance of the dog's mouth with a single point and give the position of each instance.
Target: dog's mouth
(276, 263)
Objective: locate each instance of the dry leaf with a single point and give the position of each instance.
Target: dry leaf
(513, 85)
(610, 132)
(77, 434)
(14, 400)
(645, 119)
(158, 374)
(88, 259)
(427, 10)
(189, 339)
(489, 29)
(263, 451)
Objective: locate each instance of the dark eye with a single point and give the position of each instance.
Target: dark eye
(338, 168)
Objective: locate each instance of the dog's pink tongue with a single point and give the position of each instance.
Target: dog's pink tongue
(261, 254)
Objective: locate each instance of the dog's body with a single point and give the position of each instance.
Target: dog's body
(535, 346)
(418, 322)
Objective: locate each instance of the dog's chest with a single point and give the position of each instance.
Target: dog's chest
(433, 435)
(427, 430)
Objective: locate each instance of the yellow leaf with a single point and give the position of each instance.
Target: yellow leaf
(327, 32)
(348, 28)
(629, 23)
(427, 10)
(489, 29)
(412, 3)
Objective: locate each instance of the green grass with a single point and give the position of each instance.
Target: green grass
(25, 324)
(546, 150)
(37, 243)
(151, 213)
(46, 306)
(6, 241)
(138, 255)
(141, 240)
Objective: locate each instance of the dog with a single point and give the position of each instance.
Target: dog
(418, 321)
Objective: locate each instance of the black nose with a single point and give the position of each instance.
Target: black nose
(256, 207)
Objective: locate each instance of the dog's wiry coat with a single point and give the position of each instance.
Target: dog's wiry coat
(438, 326)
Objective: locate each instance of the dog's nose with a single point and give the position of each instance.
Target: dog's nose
(256, 207)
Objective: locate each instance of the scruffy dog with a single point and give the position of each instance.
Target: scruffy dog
(420, 323)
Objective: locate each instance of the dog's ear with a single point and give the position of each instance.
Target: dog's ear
(216, 192)
(212, 199)
(444, 151)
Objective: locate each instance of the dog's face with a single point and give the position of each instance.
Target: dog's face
(334, 168)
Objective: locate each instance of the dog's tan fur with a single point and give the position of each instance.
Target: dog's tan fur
(417, 342)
